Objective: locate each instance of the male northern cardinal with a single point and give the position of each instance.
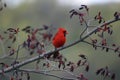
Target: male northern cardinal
(60, 38)
(58, 41)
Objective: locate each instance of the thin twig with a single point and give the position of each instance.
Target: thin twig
(17, 52)
(84, 29)
(8, 55)
(101, 46)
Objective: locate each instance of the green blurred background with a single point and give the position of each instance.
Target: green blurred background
(39, 12)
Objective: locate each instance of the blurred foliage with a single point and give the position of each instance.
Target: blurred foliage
(48, 12)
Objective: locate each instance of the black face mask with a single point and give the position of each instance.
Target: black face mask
(64, 32)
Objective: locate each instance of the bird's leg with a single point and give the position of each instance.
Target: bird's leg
(55, 54)
(55, 48)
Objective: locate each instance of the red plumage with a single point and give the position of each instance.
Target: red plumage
(60, 38)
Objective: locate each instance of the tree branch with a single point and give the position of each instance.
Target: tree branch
(47, 74)
(113, 49)
(84, 29)
(51, 52)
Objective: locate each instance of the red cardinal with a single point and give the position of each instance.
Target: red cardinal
(60, 38)
(58, 41)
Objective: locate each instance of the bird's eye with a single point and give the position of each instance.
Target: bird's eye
(64, 32)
